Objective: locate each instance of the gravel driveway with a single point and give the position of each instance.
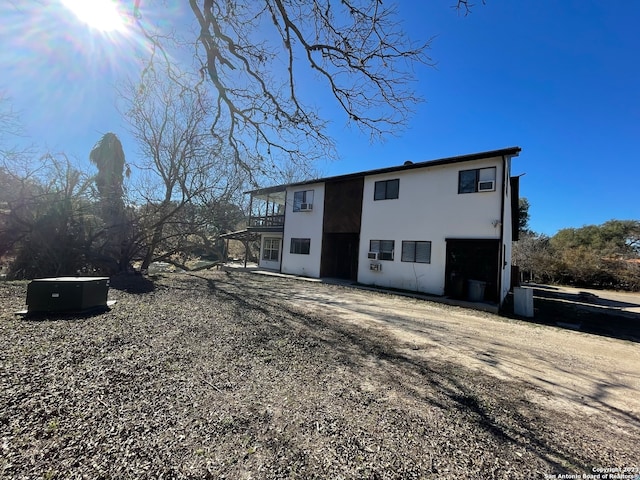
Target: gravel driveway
(578, 371)
(237, 375)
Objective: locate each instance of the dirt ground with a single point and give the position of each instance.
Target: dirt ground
(239, 375)
(579, 372)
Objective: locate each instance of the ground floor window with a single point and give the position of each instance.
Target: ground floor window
(300, 246)
(384, 248)
(416, 251)
(271, 249)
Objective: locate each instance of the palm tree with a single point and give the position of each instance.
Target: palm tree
(108, 156)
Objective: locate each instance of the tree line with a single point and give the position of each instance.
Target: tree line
(60, 217)
(57, 220)
(600, 256)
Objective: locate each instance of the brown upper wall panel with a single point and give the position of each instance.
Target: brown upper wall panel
(343, 206)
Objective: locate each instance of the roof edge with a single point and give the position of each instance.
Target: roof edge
(502, 152)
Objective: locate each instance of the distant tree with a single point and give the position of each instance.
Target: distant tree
(606, 255)
(183, 167)
(623, 236)
(14, 190)
(615, 238)
(523, 215)
(599, 255)
(10, 130)
(534, 256)
(108, 156)
(193, 232)
(16, 180)
(49, 224)
(46, 226)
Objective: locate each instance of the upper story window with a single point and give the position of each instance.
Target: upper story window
(387, 189)
(303, 201)
(384, 248)
(477, 180)
(301, 246)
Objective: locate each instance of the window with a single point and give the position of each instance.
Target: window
(478, 180)
(417, 252)
(303, 201)
(384, 248)
(387, 189)
(300, 246)
(271, 249)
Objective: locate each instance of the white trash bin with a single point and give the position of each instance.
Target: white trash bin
(523, 301)
(476, 290)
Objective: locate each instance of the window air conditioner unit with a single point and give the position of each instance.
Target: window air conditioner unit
(306, 207)
(376, 267)
(487, 186)
(373, 256)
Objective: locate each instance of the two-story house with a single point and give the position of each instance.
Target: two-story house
(442, 227)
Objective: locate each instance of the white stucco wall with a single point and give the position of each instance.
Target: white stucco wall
(268, 264)
(304, 225)
(429, 208)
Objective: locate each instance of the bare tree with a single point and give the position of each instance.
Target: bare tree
(12, 138)
(465, 6)
(8, 126)
(48, 226)
(256, 56)
(181, 163)
(533, 254)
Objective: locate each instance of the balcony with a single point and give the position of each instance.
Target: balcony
(267, 209)
(266, 223)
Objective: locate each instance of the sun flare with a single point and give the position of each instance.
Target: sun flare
(102, 15)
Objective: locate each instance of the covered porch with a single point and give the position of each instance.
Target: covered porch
(266, 209)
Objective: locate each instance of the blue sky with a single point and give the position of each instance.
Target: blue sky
(558, 78)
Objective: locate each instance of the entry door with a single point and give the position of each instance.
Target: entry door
(472, 260)
(340, 256)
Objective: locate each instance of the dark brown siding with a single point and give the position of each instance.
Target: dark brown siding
(515, 208)
(343, 206)
(341, 228)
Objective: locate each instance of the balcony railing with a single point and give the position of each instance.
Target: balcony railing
(267, 221)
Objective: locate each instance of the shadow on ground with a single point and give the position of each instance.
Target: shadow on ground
(507, 420)
(132, 283)
(66, 316)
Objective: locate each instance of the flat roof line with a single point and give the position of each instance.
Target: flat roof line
(510, 151)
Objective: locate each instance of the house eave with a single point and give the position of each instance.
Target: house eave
(503, 152)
